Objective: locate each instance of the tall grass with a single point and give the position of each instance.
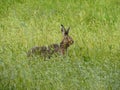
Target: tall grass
(92, 63)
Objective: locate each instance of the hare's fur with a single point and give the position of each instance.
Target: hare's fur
(54, 48)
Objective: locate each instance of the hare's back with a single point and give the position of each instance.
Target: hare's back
(36, 50)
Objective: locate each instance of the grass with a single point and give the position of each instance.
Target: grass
(92, 63)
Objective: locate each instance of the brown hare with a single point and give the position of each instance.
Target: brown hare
(54, 48)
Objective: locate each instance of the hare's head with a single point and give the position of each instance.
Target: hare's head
(67, 40)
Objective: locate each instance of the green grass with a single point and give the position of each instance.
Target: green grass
(92, 63)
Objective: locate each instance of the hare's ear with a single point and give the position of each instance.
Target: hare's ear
(68, 30)
(62, 29)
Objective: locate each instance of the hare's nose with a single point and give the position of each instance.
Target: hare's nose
(72, 42)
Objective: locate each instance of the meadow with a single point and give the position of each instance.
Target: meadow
(92, 62)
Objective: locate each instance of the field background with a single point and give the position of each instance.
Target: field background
(92, 63)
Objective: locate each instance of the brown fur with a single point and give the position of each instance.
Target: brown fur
(54, 48)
